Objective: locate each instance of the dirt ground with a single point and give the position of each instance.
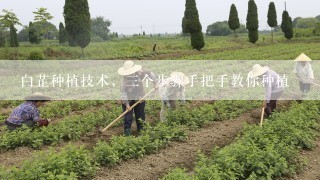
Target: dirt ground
(183, 154)
(312, 170)
(179, 154)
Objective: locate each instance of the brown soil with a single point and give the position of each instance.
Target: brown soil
(183, 154)
(311, 171)
(178, 154)
(14, 157)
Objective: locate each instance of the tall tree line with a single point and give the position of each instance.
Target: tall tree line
(191, 24)
(77, 22)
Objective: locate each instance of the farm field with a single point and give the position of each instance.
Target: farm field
(72, 71)
(217, 48)
(72, 147)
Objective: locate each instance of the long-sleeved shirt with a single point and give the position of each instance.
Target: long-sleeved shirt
(305, 72)
(272, 84)
(132, 85)
(24, 112)
(170, 91)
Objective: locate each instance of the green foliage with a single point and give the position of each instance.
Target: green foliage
(70, 163)
(42, 15)
(13, 37)
(318, 18)
(219, 29)
(286, 25)
(305, 23)
(267, 152)
(317, 29)
(220, 110)
(272, 18)
(34, 37)
(177, 174)
(233, 21)
(253, 36)
(77, 22)
(23, 35)
(122, 148)
(295, 21)
(272, 15)
(252, 16)
(9, 18)
(197, 40)
(190, 21)
(2, 38)
(252, 21)
(222, 29)
(36, 55)
(63, 36)
(303, 32)
(100, 27)
(45, 29)
(69, 128)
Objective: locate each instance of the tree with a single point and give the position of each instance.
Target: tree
(190, 21)
(317, 29)
(33, 37)
(272, 18)
(13, 36)
(42, 16)
(9, 18)
(2, 36)
(191, 24)
(197, 40)
(252, 22)
(8, 21)
(100, 27)
(295, 21)
(219, 29)
(222, 29)
(233, 22)
(286, 25)
(318, 18)
(306, 23)
(46, 29)
(62, 34)
(23, 35)
(77, 22)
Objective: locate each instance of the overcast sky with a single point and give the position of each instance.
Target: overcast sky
(160, 16)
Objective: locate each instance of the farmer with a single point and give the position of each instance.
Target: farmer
(131, 91)
(28, 113)
(172, 89)
(304, 73)
(273, 88)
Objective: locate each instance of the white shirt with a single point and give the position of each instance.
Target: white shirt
(305, 72)
(170, 91)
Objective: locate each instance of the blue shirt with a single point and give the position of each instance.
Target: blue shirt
(24, 112)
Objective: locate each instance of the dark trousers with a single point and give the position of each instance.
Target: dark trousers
(12, 127)
(138, 113)
(271, 106)
(304, 87)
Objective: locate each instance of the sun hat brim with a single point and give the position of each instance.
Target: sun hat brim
(124, 72)
(262, 70)
(37, 97)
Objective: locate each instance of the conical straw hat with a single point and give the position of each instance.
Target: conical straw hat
(303, 57)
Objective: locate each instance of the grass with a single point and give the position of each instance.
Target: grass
(141, 48)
